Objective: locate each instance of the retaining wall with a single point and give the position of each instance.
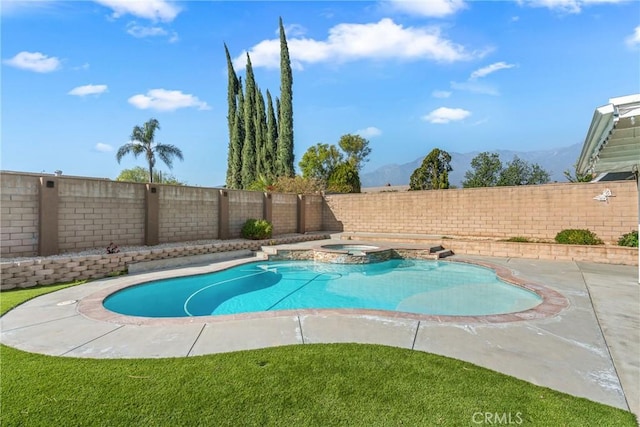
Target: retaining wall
(57, 269)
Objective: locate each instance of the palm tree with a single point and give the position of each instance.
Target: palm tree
(142, 141)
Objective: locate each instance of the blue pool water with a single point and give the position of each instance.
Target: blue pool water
(414, 286)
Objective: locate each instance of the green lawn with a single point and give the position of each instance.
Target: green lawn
(319, 385)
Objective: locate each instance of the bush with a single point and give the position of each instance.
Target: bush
(578, 237)
(629, 239)
(257, 229)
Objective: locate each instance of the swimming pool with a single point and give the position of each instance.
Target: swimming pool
(399, 285)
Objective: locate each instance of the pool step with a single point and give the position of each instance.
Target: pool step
(439, 252)
(268, 250)
(442, 253)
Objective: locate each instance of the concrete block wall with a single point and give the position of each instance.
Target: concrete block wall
(284, 213)
(48, 215)
(60, 269)
(243, 205)
(537, 212)
(18, 214)
(187, 213)
(93, 213)
(603, 254)
(313, 210)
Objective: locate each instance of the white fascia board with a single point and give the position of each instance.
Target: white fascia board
(601, 125)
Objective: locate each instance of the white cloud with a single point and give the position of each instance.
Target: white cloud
(351, 42)
(475, 87)
(292, 30)
(484, 71)
(34, 61)
(369, 132)
(88, 90)
(141, 31)
(154, 10)
(634, 39)
(103, 148)
(445, 115)
(472, 84)
(441, 94)
(565, 6)
(82, 67)
(166, 100)
(432, 8)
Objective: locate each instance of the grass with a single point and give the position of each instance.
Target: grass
(315, 385)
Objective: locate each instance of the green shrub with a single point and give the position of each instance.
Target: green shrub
(257, 229)
(578, 237)
(629, 239)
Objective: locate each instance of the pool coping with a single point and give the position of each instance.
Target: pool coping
(92, 306)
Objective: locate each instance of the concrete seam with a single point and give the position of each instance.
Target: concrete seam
(39, 323)
(415, 336)
(604, 337)
(301, 332)
(196, 340)
(92, 340)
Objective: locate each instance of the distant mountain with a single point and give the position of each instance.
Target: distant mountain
(554, 161)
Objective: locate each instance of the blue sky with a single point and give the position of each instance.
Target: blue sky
(461, 76)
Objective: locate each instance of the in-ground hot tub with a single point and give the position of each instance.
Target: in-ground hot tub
(351, 249)
(345, 253)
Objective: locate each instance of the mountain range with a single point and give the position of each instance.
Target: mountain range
(555, 161)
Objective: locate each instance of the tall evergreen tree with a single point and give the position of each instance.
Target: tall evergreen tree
(237, 140)
(261, 136)
(232, 94)
(285, 124)
(272, 138)
(249, 145)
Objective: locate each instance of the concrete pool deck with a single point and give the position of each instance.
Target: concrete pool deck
(590, 349)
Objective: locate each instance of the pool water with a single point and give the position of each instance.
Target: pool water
(413, 286)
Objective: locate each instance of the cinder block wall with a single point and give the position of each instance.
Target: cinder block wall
(284, 213)
(187, 213)
(84, 213)
(313, 210)
(536, 212)
(93, 213)
(243, 205)
(18, 214)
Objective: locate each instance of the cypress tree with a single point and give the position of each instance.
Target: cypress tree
(232, 93)
(285, 124)
(261, 136)
(249, 145)
(272, 138)
(237, 139)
